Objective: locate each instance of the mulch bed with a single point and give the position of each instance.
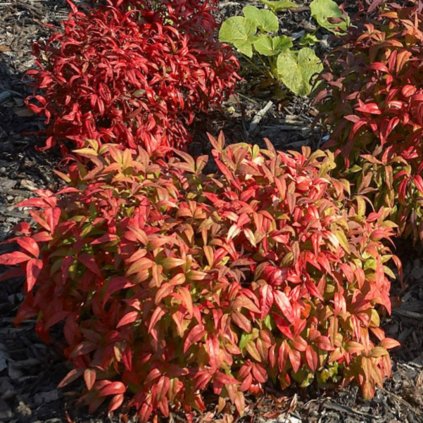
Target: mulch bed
(30, 371)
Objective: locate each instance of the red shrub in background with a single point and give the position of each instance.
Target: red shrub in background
(169, 282)
(115, 76)
(372, 101)
(192, 17)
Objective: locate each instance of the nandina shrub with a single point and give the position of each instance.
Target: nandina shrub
(168, 282)
(193, 17)
(372, 101)
(117, 76)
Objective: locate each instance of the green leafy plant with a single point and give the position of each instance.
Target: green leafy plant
(329, 16)
(371, 101)
(281, 5)
(255, 35)
(167, 282)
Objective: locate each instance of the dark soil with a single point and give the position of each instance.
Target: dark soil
(30, 370)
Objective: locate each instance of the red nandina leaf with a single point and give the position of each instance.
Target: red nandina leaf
(418, 180)
(127, 319)
(354, 347)
(371, 108)
(116, 284)
(112, 388)
(224, 379)
(323, 343)
(70, 377)
(156, 316)
(89, 262)
(29, 245)
(379, 66)
(245, 302)
(284, 305)
(266, 300)
(90, 376)
(259, 373)
(299, 343)
(10, 259)
(194, 336)
(164, 291)
(213, 350)
(389, 343)
(185, 296)
(313, 289)
(408, 90)
(242, 321)
(312, 358)
(33, 270)
(202, 379)
(282, 356)
(295, 359)
(115, 402)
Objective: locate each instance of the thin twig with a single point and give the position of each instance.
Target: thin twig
(338, 407)
(258, 117)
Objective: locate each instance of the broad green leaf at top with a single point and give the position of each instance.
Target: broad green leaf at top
(240, 32)
(324, 10)
(268, 46)
(264, 19)
(278, 6)
(295, 69)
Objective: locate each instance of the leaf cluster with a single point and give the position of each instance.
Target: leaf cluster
(371, 99)
(168, 282)
(256, 35)
(136, 77)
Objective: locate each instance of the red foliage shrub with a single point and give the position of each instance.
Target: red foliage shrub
(193, 17)
(372, 100)
(169, 282)
(115, 76)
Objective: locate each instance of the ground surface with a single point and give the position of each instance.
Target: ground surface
(30, 371)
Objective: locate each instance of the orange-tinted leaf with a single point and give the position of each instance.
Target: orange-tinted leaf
(112, 388)
(90, 376)
(127, 319)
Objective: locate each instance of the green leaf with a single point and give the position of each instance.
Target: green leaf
(289, 72)
(268, 46)
(342, 238)
(246, 338)
(308, 40)
(296, 69)
(303, 377)
(265, 20)
(325, 10)
(310, 65)
(268, 322)
(278, 6)
(240, 32)
(282, 42)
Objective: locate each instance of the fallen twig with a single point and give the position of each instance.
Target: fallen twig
(349, 410)
(258, 117)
